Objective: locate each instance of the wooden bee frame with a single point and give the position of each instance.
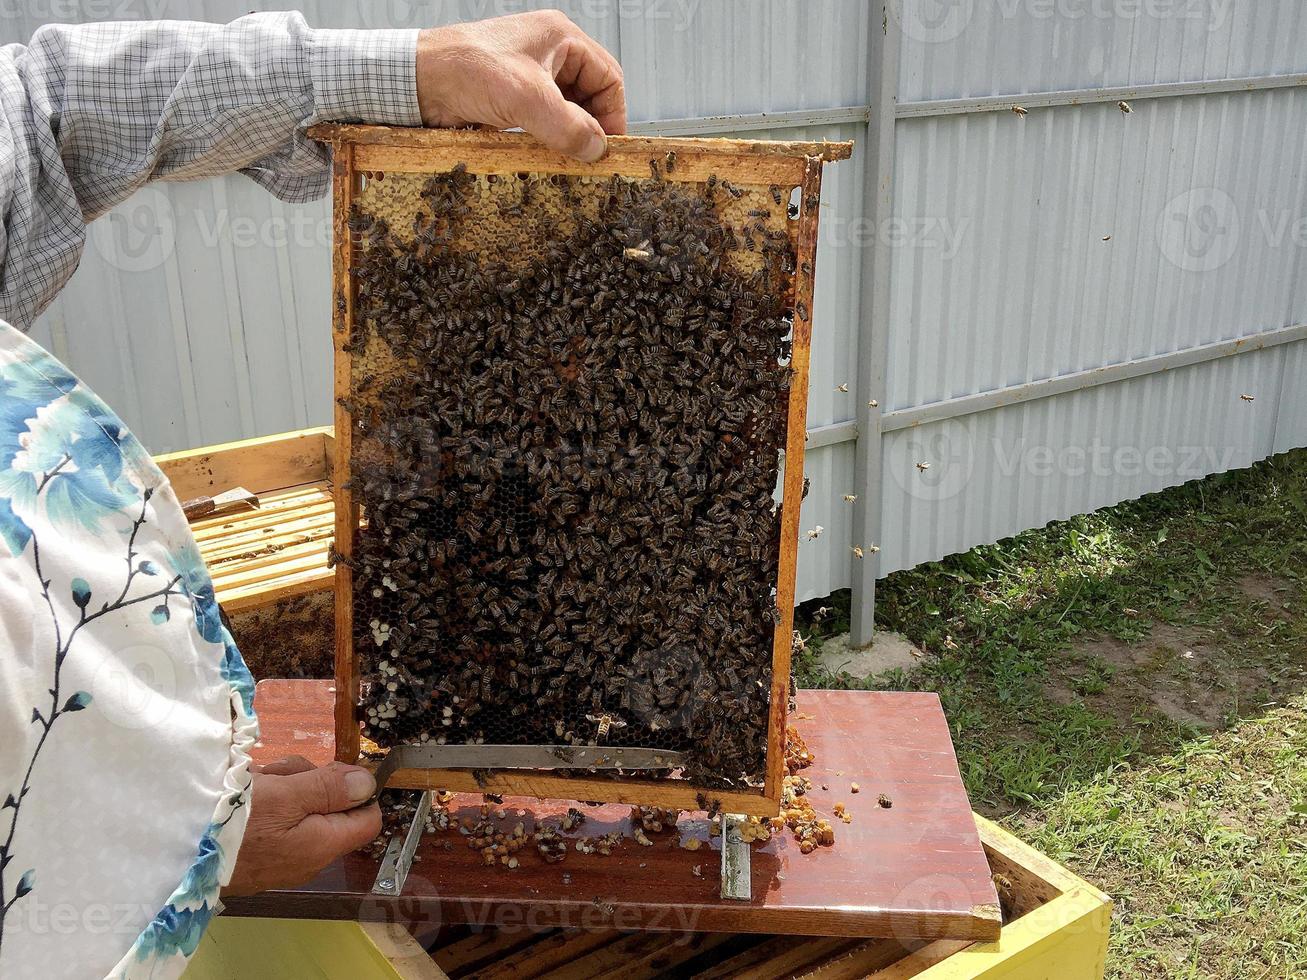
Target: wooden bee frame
(367, 150)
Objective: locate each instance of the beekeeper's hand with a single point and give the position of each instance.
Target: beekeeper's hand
(537, 71)
(301, 819)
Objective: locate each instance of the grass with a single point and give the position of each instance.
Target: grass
(1126, 690)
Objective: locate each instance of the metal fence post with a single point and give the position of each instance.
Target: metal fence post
(873, 315)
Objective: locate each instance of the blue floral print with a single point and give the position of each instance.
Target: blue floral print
(68, 466)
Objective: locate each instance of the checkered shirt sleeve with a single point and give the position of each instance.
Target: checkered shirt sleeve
(92, 112)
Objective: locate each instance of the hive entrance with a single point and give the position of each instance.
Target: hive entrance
(567, 397)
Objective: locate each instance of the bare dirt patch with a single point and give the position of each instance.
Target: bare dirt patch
(1193, 676)
(1264, 589)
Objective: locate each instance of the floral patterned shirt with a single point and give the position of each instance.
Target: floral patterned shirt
(126, 712)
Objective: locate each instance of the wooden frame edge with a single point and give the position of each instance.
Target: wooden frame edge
(807, 155)
(347, 729)
(796, 436)
(418, 137)
(199, 472)
(546, 786)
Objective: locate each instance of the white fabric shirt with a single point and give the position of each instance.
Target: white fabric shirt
(125, 709)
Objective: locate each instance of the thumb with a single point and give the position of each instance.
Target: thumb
(330, 789)
(330, 835)
(562, 125)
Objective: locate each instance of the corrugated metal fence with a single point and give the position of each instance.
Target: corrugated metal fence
(1064, 267)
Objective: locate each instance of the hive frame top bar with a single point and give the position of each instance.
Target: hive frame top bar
(618, 146)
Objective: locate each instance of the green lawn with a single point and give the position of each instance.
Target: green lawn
(1128, 692)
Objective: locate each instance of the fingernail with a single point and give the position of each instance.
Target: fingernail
(594, 149)
(359, 785)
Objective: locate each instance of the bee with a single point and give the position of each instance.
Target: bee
(775, 193)
(671, 161)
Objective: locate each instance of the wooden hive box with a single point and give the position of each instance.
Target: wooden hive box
(1054, 923)
(270, 566)
(487, 290)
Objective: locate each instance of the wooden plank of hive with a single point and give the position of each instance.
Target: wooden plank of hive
(919, 960)
(864, 960)
(776, 957)
(404, 954)
(485, 948)
(279, 550)
(266, 463)
(639, 955)
(550, 953)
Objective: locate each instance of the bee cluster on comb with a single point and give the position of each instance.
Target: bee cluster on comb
(568, 403)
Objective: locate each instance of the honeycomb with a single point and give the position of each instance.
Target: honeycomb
(568, 401)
